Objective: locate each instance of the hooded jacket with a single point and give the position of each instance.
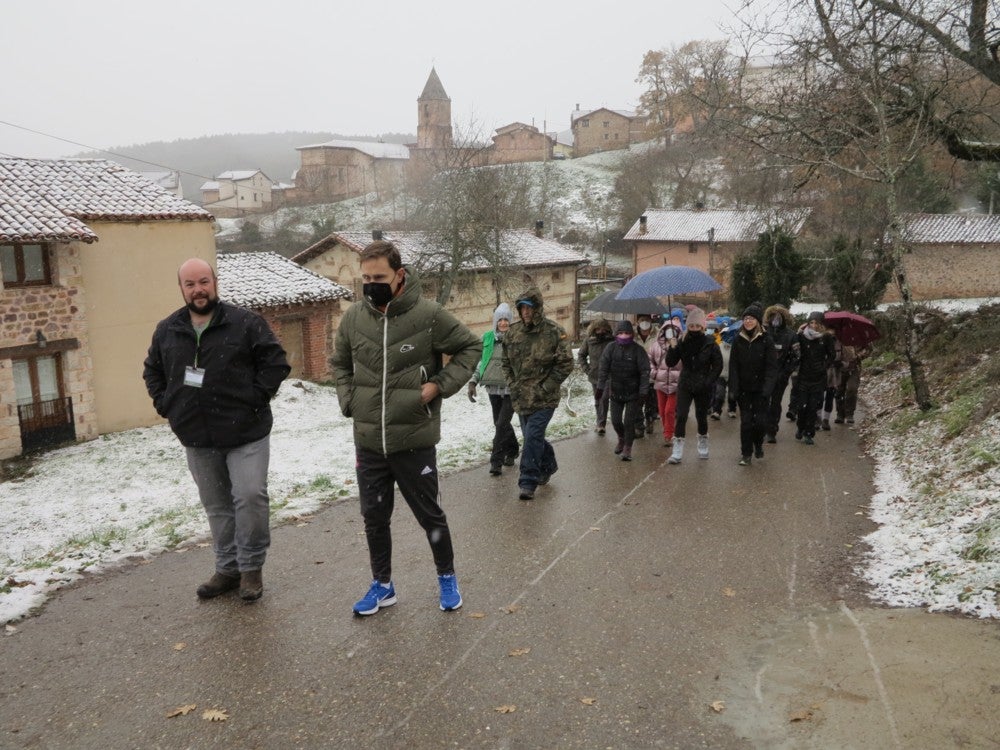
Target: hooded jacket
(784, 339)
(382, 360)
(489, 373)
(624, 371)
(536, 359)
(243, 362)
(664, 377)
(590, 351)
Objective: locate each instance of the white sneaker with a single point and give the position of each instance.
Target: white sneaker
(703, 446)
(675, 457)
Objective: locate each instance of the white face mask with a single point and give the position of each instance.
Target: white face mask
(644, 325)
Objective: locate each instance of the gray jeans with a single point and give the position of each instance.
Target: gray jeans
(232, 484)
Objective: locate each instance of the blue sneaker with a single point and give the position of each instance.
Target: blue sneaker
(378, 596)
(450, 598)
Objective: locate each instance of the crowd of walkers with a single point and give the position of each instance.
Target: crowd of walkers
(741, 368)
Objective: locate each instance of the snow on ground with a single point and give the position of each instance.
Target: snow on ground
(129, 494)
(936, 503)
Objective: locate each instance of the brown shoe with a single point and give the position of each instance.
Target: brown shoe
(251, 585)
(219, 583)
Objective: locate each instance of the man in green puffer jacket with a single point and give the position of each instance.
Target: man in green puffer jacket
(536, 360)
(388, 364)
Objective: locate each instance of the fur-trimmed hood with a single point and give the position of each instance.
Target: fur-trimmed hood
(781, 310)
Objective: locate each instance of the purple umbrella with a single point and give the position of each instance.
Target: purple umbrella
(667, 281)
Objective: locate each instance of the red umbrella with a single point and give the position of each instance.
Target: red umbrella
(851, 329)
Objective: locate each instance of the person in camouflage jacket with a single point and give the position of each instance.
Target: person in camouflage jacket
(536, 360)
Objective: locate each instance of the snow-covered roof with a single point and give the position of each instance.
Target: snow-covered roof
(521, 246)
(267, 279)
(238, 174)
(282, 186)
(563, 137)
(577, 114)
(372, 148)
(729, 225)
(952, 228)
(167, 180)
(210, 185)
(48, 200)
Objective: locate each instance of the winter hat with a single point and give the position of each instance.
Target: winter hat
(696, 317)
(817, 316)
(678, 312)
(755, 311)
(625, 326)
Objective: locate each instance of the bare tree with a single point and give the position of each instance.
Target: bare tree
(467, 208)
(855, 91)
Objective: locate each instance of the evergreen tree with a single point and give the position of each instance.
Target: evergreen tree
(773, 274)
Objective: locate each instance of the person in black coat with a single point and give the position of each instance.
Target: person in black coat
(753, 369)
(624, 376)
(702, 365)
(817, 351)
(212, 370)
(778, 322)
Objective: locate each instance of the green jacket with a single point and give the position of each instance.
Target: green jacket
(381, 360)
(536, 359)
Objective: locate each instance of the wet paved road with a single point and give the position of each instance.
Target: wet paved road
(612, 611)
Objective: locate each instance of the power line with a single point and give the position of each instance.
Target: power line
(100, 150)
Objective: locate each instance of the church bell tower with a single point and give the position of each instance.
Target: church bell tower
(434, 115)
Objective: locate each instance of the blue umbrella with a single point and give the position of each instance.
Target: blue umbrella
(729, 332)
(667, 281)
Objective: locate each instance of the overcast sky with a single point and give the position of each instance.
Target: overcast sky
(118, 72)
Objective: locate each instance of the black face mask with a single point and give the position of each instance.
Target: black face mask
(377, 293)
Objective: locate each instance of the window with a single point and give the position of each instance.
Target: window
(607, 123)
(692, 247)
(25, 265)
(557, 276)
(37, 379)
(584, 123)
(616, 136)
(606, 136)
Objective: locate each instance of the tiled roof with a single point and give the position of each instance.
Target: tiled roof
(952, 228)
(730, 225)
(521, 246)
(267, 279)
(48, 200)
(377, 150)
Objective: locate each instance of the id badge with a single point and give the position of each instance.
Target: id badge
(194, 376)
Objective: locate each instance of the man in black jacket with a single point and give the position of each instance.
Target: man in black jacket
(212, 370)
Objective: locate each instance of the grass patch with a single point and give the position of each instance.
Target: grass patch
(984, 455)
(99, 537)
(909, 418)
(981, 550)
(959, 414)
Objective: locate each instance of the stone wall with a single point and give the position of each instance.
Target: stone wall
(950, 271)
(58, 312)
(601, 130)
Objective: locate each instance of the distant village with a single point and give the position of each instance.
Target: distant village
(342, 169)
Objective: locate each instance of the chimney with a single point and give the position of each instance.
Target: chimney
(376, 234)
(642, 224)
(539, 226)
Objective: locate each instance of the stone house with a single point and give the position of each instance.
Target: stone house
(301, 307)
(605, 129)
(341, 169)
(89, 253)
(518, 142)
(532, 260)
(707, 239)
(950, 256)
(237, 193)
